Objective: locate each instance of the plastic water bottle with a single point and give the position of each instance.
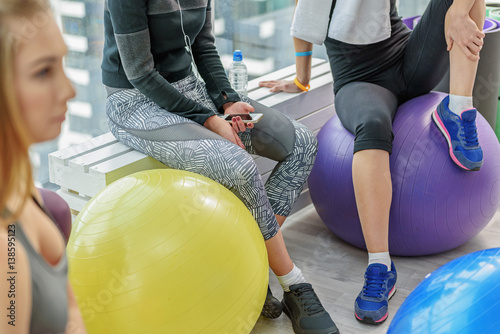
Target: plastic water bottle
(238, 75)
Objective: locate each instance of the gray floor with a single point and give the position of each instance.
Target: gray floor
(336, 270)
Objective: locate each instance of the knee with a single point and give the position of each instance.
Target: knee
(374, 128)
(374, 134)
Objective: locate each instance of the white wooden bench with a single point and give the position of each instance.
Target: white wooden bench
(85, 169)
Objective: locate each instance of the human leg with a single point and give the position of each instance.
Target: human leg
(463, 69)
(182, 144)
(367, 110)
(455, 117)
(279, 138)
(373, 190)
(294, 147)
(426, 56)
(426, 61)
(300, 303)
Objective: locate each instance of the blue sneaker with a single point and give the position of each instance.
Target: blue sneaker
(461, 134)
(380, 285)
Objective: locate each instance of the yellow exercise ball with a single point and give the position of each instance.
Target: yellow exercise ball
(167, 251)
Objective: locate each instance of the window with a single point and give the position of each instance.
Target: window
(260, 28)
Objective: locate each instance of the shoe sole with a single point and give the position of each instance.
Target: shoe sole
(298, 330)
(446, 134)
(272, 311)
(368, 320)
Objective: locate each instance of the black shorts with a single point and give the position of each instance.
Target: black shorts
(370, 81)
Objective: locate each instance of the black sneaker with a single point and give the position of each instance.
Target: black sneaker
(272, 306)
(305, 311)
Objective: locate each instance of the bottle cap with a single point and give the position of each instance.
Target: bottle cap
(237, 55)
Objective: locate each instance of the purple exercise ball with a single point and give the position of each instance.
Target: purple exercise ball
(436, 206)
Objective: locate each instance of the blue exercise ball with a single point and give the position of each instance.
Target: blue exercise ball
(463, 296)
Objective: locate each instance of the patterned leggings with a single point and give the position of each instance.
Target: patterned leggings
(183, 144)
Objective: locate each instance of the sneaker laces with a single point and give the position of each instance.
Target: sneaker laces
(470, 133)
(309, 300)
(374, 286)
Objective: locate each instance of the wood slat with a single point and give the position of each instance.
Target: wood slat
(317, 72)
(83, 162)
(279, 75)
(294, 105)
(86, 147)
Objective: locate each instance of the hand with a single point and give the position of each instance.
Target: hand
(223, 129)
(461, 30)
(238, 108)
(287, 86)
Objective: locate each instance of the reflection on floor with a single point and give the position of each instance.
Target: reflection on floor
(336, 270)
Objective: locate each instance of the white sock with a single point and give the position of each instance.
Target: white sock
(293, 277)
(382, 257)
(459, 103)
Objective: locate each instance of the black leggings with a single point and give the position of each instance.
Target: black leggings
(366, 105)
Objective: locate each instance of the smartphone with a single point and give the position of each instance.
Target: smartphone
(246, 118)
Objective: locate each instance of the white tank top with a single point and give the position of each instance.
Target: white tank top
(360, 22)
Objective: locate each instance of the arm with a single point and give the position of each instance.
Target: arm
(20, 297)
(210, 67)
(226, 100)
(303, 69)
(75, 323)
(464, 5)
(130, 24)
(461, 29)
(303, 63)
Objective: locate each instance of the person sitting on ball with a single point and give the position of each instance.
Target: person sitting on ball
(377, 63)
(157, 105)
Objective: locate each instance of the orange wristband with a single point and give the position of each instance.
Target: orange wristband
(301, 86)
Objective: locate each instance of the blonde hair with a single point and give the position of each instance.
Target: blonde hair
(16, 179)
